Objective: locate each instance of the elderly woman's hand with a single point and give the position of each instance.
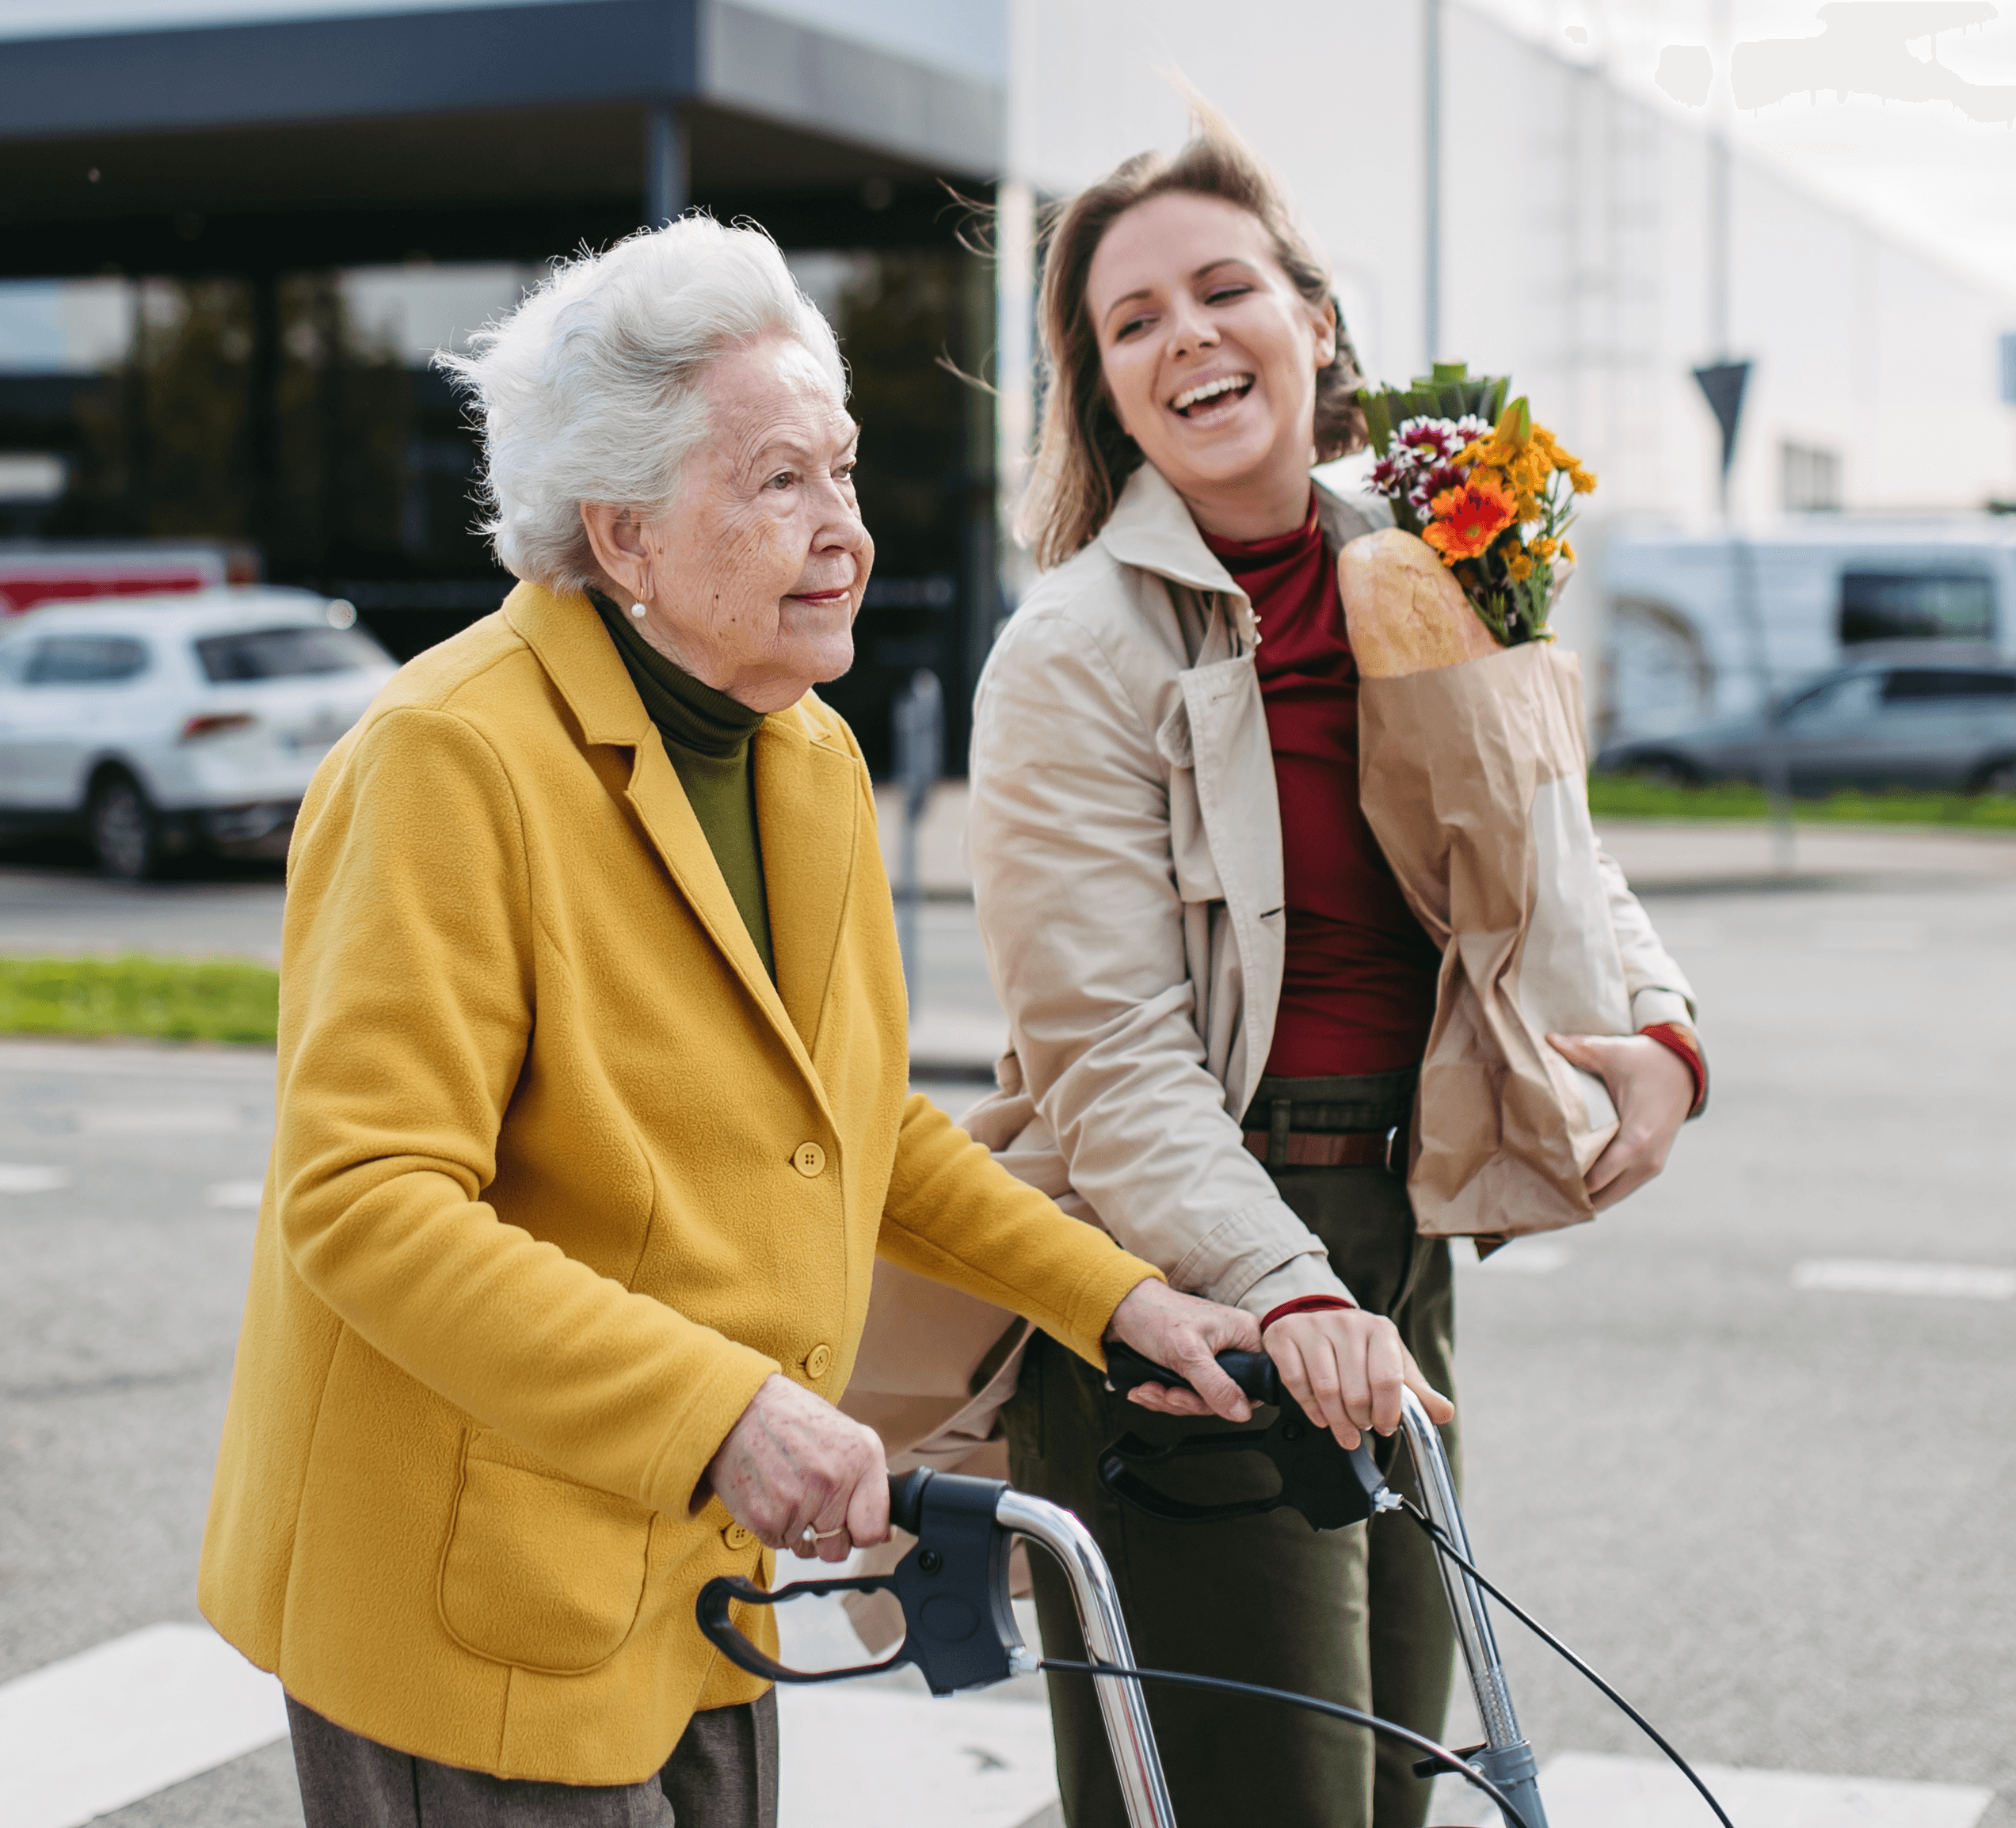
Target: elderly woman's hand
(1653, 1092)
(802, 1476)
(1184, 1335)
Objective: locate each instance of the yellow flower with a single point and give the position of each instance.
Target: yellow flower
(1528, 508)
(1581, 480)
(1520, 567)
(1547, 548)
(1568, 552)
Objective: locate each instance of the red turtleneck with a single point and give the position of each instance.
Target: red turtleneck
(1359, 991)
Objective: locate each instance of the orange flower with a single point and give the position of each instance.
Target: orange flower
(1468, 518)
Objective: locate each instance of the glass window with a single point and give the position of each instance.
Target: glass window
(287, 652)
(86, 659)
(1845, 695)
(1917, 685)
(1916, 606)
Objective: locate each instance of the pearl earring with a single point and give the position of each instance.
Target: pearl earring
(636, 610)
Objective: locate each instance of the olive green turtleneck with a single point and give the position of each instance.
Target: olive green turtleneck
(706, 735)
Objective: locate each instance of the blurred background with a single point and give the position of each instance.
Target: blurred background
(1754, 260)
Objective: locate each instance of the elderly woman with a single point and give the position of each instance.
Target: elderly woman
(592, 1112)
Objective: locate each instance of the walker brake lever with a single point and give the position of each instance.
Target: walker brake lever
(1332, 1487)
(953, 1586)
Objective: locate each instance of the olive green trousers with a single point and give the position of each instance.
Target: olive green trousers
(1356, 1616)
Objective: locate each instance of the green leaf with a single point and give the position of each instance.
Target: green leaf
(1450, 371)
(1378, 421)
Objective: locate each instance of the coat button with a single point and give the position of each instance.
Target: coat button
(817, 1361)
(809, 1159)
(737, 1537)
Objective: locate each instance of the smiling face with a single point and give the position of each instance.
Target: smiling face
(752, 575)
(1210, 357)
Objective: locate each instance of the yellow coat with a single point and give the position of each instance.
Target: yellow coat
(560, 1178)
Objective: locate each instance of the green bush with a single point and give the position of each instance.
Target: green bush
(1630, 797)
(164, 998)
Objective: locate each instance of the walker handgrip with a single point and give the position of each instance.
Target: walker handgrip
(1332, 1486)
(960, 1627)
(721, 1631)
(1253, 1372)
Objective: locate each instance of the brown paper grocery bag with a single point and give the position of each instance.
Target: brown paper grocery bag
(1474, 779)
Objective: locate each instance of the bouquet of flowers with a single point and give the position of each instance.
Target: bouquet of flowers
(1472, 767)
(1490, 491)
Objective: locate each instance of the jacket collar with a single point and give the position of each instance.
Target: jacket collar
(1150, 528)
(808, 815)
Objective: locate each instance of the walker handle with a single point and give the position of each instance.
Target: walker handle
(960, 1627)
(1253, 1372)
(1332, 1487)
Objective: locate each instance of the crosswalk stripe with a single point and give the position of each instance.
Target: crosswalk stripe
(1595, 1790)
(119, 1722)
(1877, 1276)
(865, 1756)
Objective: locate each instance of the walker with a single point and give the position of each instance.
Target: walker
(961, 1632)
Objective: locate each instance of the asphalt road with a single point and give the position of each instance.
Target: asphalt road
(1776, 1516)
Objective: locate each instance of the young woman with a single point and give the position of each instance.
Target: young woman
(1217, 999)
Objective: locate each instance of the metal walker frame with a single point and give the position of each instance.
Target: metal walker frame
(954, 1586)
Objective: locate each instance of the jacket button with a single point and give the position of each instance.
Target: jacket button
(737, 1537)
(809, 1159)
(817, 1360)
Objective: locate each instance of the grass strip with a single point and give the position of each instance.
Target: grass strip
(156, 999)
(1631, 797)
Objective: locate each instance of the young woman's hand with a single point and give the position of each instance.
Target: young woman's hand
(1347, 1368)
(1184, 1335)
(1653, 1092)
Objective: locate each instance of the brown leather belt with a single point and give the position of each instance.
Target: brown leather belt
(1309, 1149)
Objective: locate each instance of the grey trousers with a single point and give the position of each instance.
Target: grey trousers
(721, 1774)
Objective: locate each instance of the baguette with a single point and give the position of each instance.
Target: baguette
(1403, 611)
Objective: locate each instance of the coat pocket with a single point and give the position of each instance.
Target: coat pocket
(539, 1572)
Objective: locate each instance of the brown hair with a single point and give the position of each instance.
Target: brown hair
(1083, 456)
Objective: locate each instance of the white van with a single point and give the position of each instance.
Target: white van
(1680, 649)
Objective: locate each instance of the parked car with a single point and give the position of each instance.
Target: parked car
(158, 727)
(1930, 716)
(1699, 625)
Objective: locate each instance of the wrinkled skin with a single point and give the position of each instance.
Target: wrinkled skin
(753, 574)
(793, 1465)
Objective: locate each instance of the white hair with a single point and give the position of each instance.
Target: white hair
(590, 391)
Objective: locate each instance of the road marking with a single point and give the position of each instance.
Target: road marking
(1527, 1257)
(1872, 936)
(158, 1119)
(241, 1196)
(1872, 1276)
(16, 1178)
(1592, 1790)
(864, 1757)
(99, 1730)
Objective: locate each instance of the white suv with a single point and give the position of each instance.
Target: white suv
(161, 725)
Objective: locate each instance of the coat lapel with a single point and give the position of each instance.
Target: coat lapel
(808, 816)
(576, 651)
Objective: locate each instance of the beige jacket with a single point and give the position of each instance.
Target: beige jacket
(1127, 866)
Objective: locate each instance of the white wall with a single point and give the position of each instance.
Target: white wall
(1576, 242)
(1327, 91)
